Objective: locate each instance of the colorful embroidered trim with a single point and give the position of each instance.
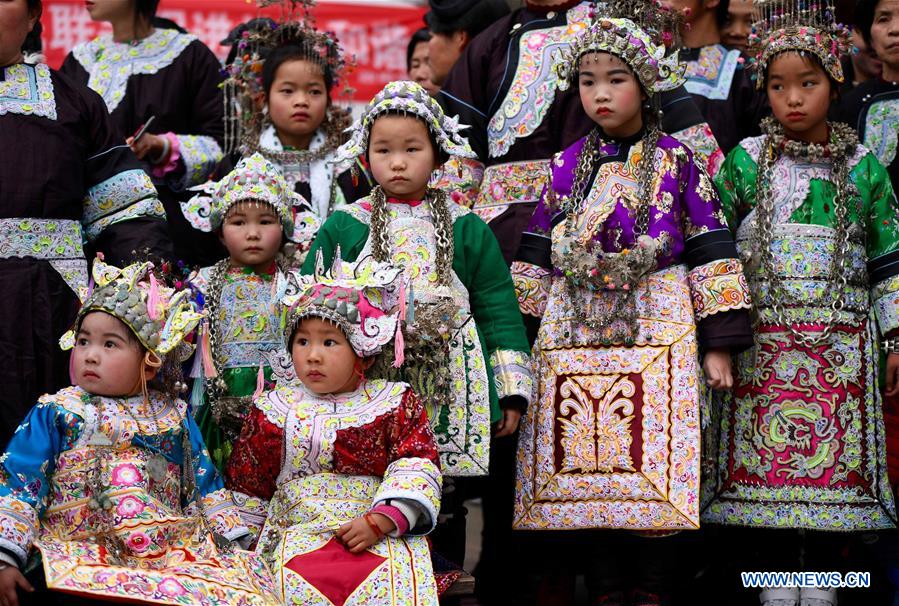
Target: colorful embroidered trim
(886, 304)
(881, 129)
(510, 183)
(533, 88)
(712, 74)
(417, 480)
(531, 287)
(719, 286)
(512, 374)
(27, 90)
(110, 64)
(200, 155)
(124, 196)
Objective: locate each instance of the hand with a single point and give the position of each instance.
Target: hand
(359, 536)
(147, 147)
(718, 369)
(10, 579)
(508, 424)
(892, 375)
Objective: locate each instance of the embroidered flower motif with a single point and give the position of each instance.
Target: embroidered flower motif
(126, 475)
(138, 542)
(130, 507)
(171, 588)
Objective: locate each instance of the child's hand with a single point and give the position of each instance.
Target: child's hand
(718, 369)
(892, 374)
(508, 424)
(10, 579)
(359, 534)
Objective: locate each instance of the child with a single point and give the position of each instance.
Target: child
(645, 279)
(294, 69)
(254, 211)
(802, 442)
(346, 468)
(109, 479)
(873, 107)
(466, 350)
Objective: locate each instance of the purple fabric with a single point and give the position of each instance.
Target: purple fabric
(681, 181)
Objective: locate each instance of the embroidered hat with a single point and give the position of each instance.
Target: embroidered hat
(365, 299)
(253, 179)
(160, 317)
(635, 45)
(407, 98)
(801, 26)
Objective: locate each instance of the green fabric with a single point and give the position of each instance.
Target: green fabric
(878, 212)
(241, 382)
(477, 261)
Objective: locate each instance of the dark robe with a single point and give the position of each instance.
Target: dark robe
(872, 108)
(61, 161)
(723, 89)
(175, 78)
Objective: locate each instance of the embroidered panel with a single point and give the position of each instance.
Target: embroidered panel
(613, 438)
(510, 183)
(803, 256)
(18, 526)
(27, 90)
(719, 286)
(701, 141)
(531, 287)
(802, 441)
(247, 321)
(124, 196)
(461, 178)
(110, 64)
(886, 304)
(533, 88)
(414, 479)
(300, 546)
(712, 74)
(882, 129)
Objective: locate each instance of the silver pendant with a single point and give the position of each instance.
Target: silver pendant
(157, 467)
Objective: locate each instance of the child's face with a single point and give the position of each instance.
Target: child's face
(107, 360)
(610, 94)
(738, 26)
(401, 156)
(799, 92)
(252, 234)
(885, 32)
(323, 357)
(297, 101)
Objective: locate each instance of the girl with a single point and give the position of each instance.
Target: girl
(298, 128)
(466, 353)
(349, 464)
(254, 212)
(645, 284)
(65, 175)
(802, 442)
(145, 72)
(109, 479)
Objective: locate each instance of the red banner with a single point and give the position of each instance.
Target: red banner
(376, 34)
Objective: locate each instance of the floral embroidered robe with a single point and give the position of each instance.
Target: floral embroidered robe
(72, 439)
(489, 354)
(613, 439)
(248, 330)
(307, 464)
(802, 441)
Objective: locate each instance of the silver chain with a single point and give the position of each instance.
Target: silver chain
(838, 275)
(443, 231)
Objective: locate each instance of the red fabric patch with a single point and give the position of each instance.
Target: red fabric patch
(334, 571)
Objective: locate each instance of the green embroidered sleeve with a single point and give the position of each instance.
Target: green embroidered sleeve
(339, 230)
(881, 210)
(735, 182)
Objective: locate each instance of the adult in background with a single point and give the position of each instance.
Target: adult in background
(738, 24)
(418, 65)
(64, 175)
(453, 24)
(145, 71)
